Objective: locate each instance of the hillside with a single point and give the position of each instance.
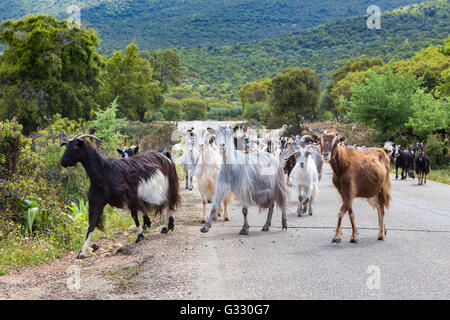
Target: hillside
(403, 32)
(169, 23)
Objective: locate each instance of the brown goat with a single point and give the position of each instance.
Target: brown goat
(358, 174)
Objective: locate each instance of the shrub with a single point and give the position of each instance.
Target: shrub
(194, 109)
(174, 109)
(438, 151)
(253, 111)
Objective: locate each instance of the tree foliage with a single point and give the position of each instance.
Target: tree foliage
(383, 101)
(295, 92)
(194, 109)
(47, 68)
(129, 77)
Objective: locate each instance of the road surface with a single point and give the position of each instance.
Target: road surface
(302, 263)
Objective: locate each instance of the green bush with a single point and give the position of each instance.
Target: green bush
(253, 111)
(438, 151)
(174, 109)
(194, 109)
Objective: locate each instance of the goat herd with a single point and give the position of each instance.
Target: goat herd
(236, 163)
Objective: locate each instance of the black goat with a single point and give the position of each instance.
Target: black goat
(404, 159)
(128, 152)
(140, 183)
(421, 164)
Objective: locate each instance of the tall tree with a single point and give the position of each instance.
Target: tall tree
(129, 77)
(295, 92)
(47, 68)
(166, 67)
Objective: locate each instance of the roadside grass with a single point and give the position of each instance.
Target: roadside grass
(18, 251)
(438, 175)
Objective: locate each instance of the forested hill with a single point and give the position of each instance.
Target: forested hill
(403, 32)
(169, 23)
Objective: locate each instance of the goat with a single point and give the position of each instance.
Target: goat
(421, 164)
(254, 178)
(128, 152)
(404, 159)
(189, 161)
(140, 183)
(362, 174)
(207, 172)
(304, 176)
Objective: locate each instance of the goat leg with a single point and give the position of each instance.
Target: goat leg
(245, 227)
(269, 219)
(140, 228)
(300, 204)
(354, 236)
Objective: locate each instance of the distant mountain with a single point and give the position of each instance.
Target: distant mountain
(403, 32)
(169, 23)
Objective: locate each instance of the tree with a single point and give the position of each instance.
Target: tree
(429, 115)
(166, 67)
(128, 76)
(106, 124)
(383, 101)
(194, 109)
(295, 92)
(427, 64)
(47, 68)
(174, 109)
(361, 63)
(252, 92)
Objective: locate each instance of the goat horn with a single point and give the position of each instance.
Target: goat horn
(76, 136)
(89, 136)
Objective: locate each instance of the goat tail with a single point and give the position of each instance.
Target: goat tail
(281, 190)
(315, 192)
(174, 188)
(384, 197)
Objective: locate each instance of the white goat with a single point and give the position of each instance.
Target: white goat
(207, 170)
(189, 161)
(305, 179)
(256, 179)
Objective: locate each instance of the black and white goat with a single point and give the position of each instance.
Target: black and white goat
(141, 183)
(128, 152)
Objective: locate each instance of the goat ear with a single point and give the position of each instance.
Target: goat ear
(63, 144)
(235, 128)
(211, 130)
(120, 152)
(315, 137)
(342, 139)
(136, 149)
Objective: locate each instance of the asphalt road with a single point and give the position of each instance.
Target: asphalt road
(413, 262)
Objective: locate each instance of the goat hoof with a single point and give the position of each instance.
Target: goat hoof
(204, 229)
(226, 219)
(336, 240)
(265, 228)
(81, 256)
(243, 232)
(203, 221)
(164, 230)
(353, 240)
(139, 238)
(94, 247)
(380, 238)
